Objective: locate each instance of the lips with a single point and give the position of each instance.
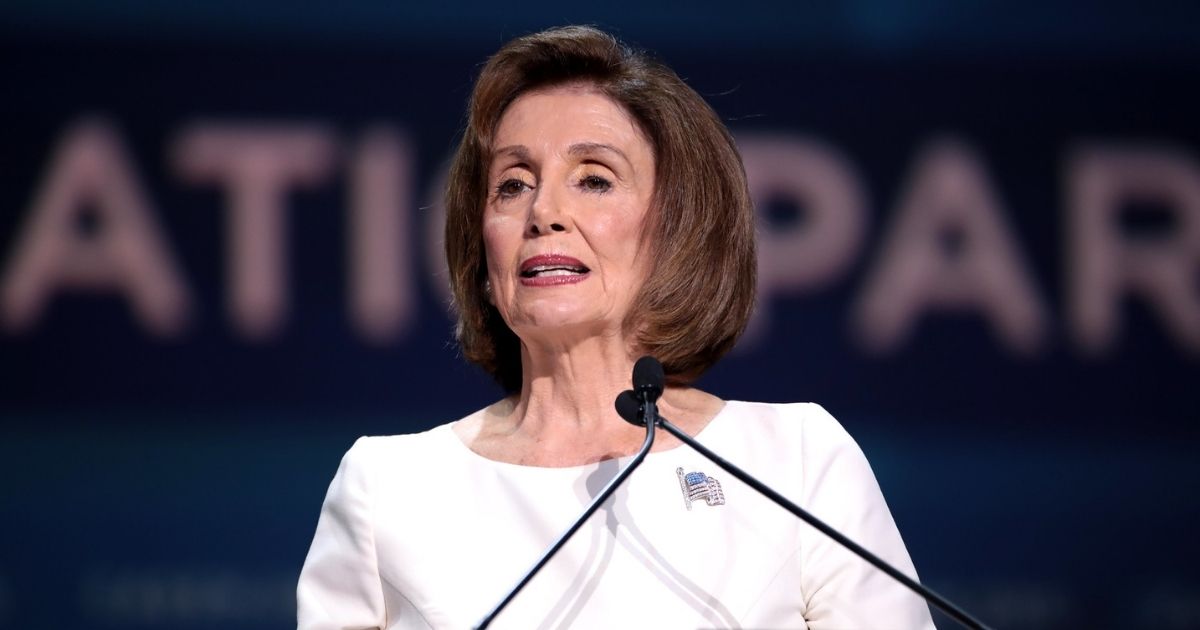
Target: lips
(552, 269)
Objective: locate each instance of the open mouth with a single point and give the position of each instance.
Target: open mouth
(549, 271)
(552, 266)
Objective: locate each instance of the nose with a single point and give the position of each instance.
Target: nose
(536, 230)
(546, 214)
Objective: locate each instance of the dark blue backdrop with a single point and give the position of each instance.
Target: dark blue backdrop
(174, 482)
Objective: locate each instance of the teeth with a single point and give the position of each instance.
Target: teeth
(548, 270)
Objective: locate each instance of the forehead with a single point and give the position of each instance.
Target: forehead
(568, 115)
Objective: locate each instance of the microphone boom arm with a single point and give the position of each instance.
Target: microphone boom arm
(948, 607)
(562, 540)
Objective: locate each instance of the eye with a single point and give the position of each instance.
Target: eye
(595, 183)
(510, 188)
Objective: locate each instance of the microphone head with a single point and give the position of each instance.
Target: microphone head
(648, 377)
(629, 407)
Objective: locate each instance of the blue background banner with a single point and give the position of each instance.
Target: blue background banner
(220, 263)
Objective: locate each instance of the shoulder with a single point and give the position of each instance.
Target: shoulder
(432, 445)
(809, 422)
(793, 443)
(372, 448)
(807, 436)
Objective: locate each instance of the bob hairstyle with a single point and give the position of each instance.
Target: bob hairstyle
(699, 293)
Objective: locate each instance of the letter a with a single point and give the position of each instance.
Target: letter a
(916, 272)
(125, 253)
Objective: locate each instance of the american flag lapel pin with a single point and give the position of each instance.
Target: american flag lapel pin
(697, 485)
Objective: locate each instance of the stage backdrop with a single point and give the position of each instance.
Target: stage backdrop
(220, 262)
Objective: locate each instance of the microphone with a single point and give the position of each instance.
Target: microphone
(637, 408)
(647, 379)
(629, 408)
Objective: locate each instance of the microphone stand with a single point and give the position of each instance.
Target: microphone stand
(587, 513)
(651, 417)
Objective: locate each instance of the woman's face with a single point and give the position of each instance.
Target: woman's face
(571, 181)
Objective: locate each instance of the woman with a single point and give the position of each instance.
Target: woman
(597, 211)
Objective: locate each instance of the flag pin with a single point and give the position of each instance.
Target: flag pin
(697, 486)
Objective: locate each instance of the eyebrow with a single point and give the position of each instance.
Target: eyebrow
(588, 148)
(521, 152)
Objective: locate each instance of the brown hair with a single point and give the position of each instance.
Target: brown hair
(700, 291)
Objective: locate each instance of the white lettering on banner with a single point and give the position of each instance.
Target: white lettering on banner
(257, 164)
(380, 264)
(1105, 264)
(948, 249)
(91, 177)
(815, 251)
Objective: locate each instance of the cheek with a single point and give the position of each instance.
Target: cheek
(498, 240)
(638, 245)
(623, 228)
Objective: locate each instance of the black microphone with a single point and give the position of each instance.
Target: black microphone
(630, 408)
(635, 408)
(650, 393)
(648, 381)
(648, 378)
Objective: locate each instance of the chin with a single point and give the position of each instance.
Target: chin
(540, 322)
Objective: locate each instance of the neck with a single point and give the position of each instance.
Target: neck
(564, 414)
(567, 394)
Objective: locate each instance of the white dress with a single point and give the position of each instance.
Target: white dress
(418, 531)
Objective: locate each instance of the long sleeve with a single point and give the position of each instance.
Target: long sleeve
(840, 589)
(339, 586)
